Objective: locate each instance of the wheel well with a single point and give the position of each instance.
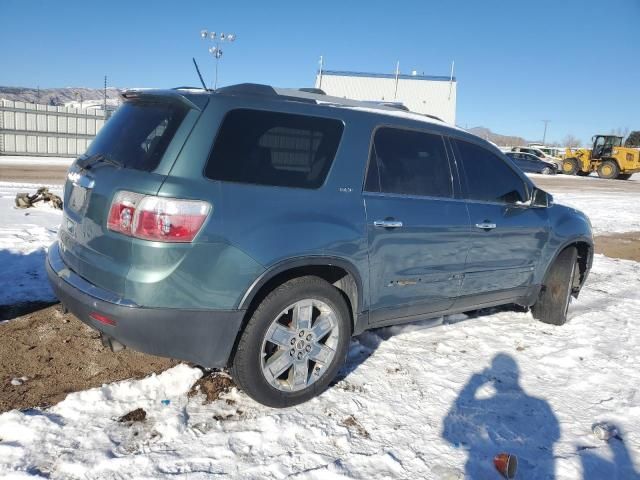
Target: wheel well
(584, 257)
(335, 275)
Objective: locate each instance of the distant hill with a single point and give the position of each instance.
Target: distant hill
(69, 97)
(500, 140)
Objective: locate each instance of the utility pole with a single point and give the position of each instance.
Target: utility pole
(105, 97)
(544, 135)
(320, 75)
(395, 93)
(451, 79)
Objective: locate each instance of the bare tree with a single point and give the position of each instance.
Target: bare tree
(571, 141)
(620, 131)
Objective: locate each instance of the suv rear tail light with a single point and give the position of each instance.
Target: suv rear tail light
(157, 218)
(122, 211)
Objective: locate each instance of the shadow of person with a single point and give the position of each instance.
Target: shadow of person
(595, 467)
(493, 414)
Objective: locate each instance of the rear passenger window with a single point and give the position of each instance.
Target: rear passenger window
(489, 178)
(409, 163)
(271, 148)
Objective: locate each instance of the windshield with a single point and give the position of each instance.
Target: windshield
(138, 134)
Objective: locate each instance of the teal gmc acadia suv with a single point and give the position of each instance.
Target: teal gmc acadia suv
(258, 229)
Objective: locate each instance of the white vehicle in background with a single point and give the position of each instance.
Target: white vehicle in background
(538, 152)
(549, 151)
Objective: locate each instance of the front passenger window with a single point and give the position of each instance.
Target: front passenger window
(489, 178)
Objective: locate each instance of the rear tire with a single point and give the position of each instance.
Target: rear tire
(570, 166)
(283, 358)
(624, 176)
(608, 169)
(555, 296)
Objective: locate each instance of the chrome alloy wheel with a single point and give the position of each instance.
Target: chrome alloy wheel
(299, 345)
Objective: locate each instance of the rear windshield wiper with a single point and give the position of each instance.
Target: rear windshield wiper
(91, 160)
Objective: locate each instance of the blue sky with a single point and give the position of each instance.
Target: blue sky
(576, 63)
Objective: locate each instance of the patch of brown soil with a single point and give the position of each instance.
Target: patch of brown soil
(212, 386)
(59, 354)
(24, 172)
(619, 245)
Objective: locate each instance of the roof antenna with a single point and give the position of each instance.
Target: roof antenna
(199, 74)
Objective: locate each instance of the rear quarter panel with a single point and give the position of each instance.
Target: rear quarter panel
(276, 224)
(208, 273)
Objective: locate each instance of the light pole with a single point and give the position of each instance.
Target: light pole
(215, 50)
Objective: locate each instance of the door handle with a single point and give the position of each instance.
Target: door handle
(486, 225)
(387, 223)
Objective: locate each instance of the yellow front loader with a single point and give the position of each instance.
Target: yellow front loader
(607, 157)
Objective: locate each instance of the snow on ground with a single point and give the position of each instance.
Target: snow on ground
(434, 400)
(25, 235)
(611, 205)
(615, 212)
(428, 400)
(10, 160)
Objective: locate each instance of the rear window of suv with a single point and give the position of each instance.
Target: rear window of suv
(274, 148)
(138, 134)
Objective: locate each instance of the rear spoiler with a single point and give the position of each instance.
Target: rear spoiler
(191, 100)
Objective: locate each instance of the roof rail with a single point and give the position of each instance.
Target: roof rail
(313, 95)
(396, 105)
(318, 91)
(431, 116)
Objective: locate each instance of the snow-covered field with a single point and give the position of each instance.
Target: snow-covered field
(434, 400)
(609, 212)
(25, 234)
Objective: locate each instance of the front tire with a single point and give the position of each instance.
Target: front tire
(294, 344)
(570, 166)
(555, 296)
(608, 169)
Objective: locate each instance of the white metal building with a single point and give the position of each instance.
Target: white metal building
(428, 94)
(33, 129)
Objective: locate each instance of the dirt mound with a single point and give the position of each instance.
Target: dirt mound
(137, 415)
(58, 355)
(212, 386)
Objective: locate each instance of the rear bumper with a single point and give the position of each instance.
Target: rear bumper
(205, 337)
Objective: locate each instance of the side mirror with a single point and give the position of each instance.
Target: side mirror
(541, 199)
